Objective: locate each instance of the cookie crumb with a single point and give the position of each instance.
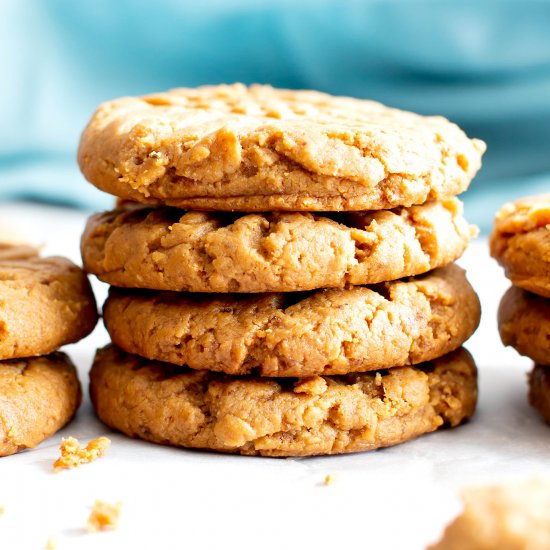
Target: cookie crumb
(103, 517)
(73, 454)
(330, 479)
(2, 510)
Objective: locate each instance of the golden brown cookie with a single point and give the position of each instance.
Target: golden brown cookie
(521, 243)
(262, 149)
(539, 390)
(38, 396)
(44, 303)
(169, 249)
(501, 517)
(291, 334)
(524, 324)
(174, 405)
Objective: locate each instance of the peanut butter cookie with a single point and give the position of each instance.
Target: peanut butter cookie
(521, 243)
(38, 396)
(169, 249)
(524, 324)
(504, 517)
(45, 303)
(174, 405)
(539, 390)
(291, 334)
(262, 149)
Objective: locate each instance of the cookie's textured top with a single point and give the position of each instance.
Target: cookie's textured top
(318, 415)
(521, 243)
(291, 334)
(167, 249)
(539, 390)
(261, 149)
(44, 303)
(38, 396)
(504, 517)
(524, 323)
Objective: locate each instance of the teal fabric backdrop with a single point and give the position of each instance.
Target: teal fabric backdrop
(484, 64)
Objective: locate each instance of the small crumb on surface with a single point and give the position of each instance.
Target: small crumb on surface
(2, 510)
(50, 544)
(73, 454)
(330, 479)
(103, 517)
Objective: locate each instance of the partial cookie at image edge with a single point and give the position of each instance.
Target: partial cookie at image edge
(513, 515)
(520, 242)
(38, 396)
(524, 324)
(45, 303)
(539, 390)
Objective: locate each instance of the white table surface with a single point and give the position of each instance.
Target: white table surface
(397, 498)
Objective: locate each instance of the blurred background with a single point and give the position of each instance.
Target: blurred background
(484, 64)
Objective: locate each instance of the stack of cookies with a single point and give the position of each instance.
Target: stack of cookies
(521, 243)
(285, 286)
(45, 303)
